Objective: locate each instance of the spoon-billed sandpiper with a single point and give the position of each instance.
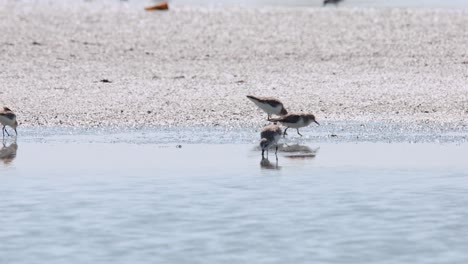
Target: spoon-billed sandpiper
(270, 105)
(8, 118)
(295, 121)
(269, 136)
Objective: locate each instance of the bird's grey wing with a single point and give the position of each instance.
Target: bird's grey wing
(272, 102)
(8, 115)
(289, 119)
(266, 134)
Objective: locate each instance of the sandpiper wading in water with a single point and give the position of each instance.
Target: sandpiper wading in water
(295, 121)
(8, 118)
(270, 135)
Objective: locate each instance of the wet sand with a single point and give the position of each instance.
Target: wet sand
(193, 66)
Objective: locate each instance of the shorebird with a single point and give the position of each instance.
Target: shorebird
(270, 105)
(335, 2)
(295, 121)
(8, 118)
(269, 136)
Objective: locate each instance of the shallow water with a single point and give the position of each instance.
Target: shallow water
(330, 132)
(72, 202)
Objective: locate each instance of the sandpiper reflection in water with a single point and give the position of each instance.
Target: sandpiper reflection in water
(8, 152)
(268, 165)
(297, 151)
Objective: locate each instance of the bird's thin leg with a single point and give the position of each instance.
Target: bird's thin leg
(284, 133)
(269, 117)
(267, 153)
(16, 132)
(3, 130)
(276, 153)
(263, 151)
(298, 132)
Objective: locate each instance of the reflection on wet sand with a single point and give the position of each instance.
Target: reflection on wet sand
(8, 152)
(297, 151)
(267, 165)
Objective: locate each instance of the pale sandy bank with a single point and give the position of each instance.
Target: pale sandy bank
(195, 66)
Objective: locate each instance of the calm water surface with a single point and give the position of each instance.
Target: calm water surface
(211, 203)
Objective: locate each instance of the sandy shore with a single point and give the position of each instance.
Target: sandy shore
(195, 66)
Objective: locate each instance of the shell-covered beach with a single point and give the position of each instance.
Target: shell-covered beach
(114, 65)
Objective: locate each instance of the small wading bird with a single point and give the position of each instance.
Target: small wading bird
(335, 2)
(270, 136)
(8, 118)
(295, 121)
(270, 105)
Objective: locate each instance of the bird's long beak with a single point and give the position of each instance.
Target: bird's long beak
(316, 122)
